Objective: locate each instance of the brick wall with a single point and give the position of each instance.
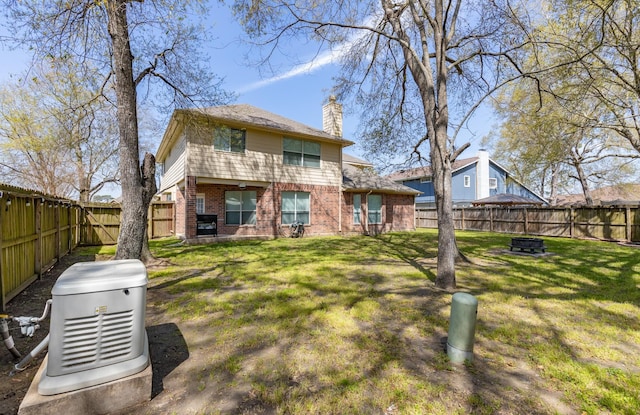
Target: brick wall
(324, 208)
(397, 210)
(190, 207)
(397, 214)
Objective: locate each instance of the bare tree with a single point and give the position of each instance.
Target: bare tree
(601, 40)
(417, 68)
(134, 44)
(52, 138)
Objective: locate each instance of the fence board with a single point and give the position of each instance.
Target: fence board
(610, 223)
(37, 230)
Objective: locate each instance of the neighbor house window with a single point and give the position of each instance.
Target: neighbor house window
(493, 183)
(357, 210)
(200, 203)
(467, 181)
(374, 209)
(240, 207)
(295, 207)
(426, 179)
(229, 139)
(301, 153)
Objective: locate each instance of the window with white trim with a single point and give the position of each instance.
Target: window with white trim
(374, 209)
(467, 181)
(229, 139)
(426, 179)
(200, 203)
(357, 209)
(240, 207)
(493, 183)
(295, 207)
(300, 152)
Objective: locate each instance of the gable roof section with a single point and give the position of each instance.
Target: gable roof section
(364, 180)
(244, 115)
(505, 199)
(355, 161)
(418, 172)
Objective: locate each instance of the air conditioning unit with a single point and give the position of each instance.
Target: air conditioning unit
(97, 331)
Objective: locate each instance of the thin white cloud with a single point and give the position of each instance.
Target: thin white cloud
(325, 58)
(322, 60)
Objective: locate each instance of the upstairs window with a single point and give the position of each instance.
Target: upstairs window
(426, 179)
(467, 181)
(229, 139)
(301, 153)
(493, 183)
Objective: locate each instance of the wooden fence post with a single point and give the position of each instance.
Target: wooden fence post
(526, 221)
(572, 222)
(627, 220)
(38, 247)
(490, 219)
(56, 206)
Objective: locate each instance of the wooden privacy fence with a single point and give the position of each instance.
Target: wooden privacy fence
(37, 230)
(607, 223)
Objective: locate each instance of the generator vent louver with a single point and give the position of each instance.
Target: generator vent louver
(97, 339)
(97, 329)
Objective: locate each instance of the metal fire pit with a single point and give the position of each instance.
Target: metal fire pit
(527, 244)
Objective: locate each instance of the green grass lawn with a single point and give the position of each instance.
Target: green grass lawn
(334, 325)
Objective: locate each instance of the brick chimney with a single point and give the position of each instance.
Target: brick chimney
(332, 117)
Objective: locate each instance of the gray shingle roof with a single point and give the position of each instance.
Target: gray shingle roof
(252, 116)
(357, 180)
(418, 172)
(506, 199)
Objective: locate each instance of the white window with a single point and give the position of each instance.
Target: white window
(467, 181)
(229, 139)
(301, 153)
(240, 207)
(374, 209)
(357, 209)
(200, 203)
(426, 179)
(493, 183)
(295, 207)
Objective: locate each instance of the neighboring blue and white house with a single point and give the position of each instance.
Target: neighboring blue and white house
(473, 179)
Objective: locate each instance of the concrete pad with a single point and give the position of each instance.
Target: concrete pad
(105, 398)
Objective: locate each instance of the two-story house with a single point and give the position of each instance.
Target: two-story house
(241, 171)
(473, 179)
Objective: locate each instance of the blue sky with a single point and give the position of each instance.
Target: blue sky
(296, 92)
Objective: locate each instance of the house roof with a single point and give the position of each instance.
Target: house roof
(364, 180)
(244, 115)
(418, 172)
(620, 194)
(355, 161)
(505, 199)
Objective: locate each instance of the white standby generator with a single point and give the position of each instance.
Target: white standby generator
(97, 331)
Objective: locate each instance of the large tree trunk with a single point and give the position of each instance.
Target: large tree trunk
(134, 210)
(447, 247)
